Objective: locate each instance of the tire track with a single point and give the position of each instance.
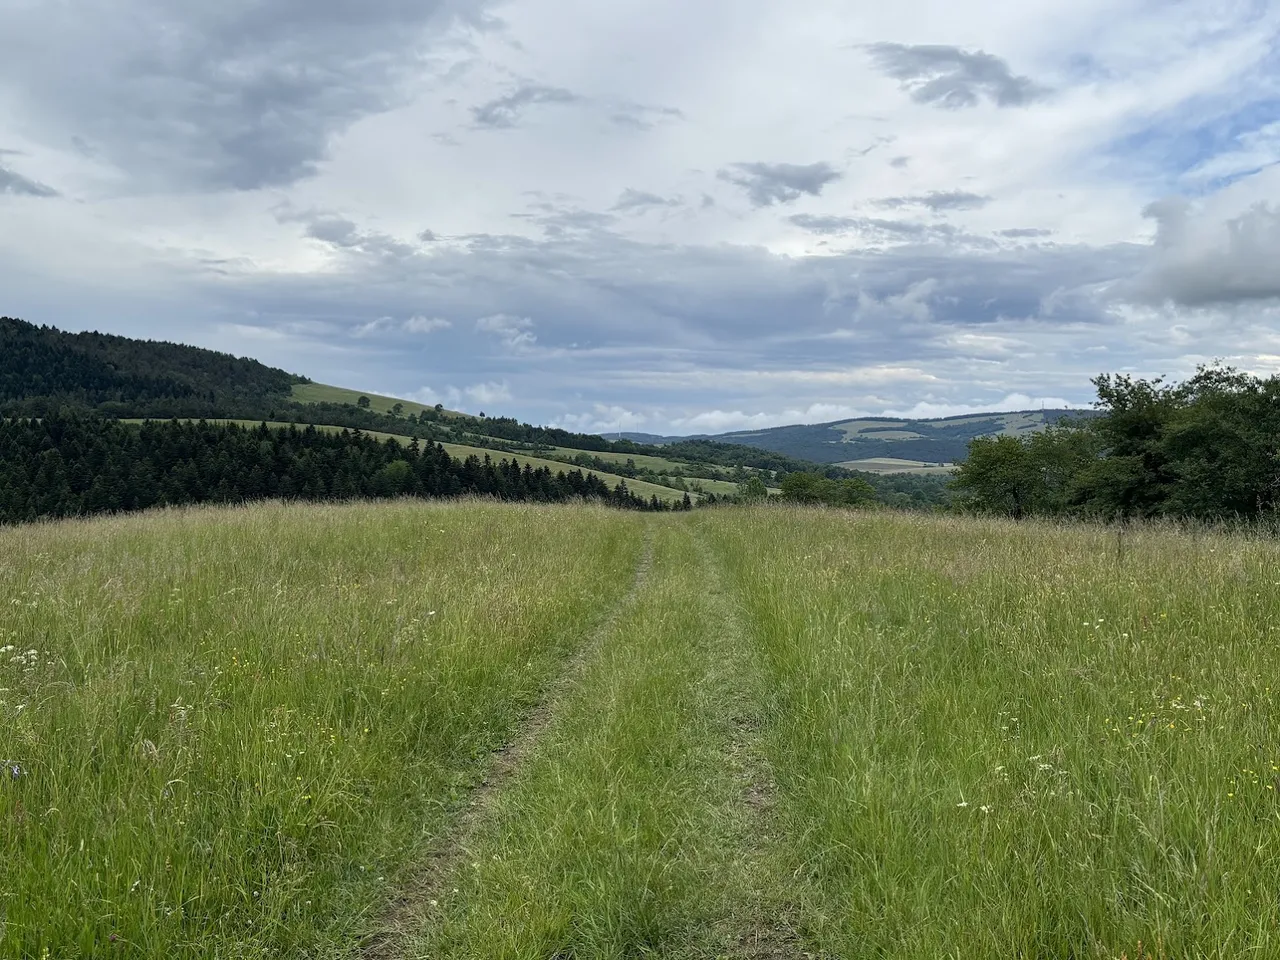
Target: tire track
(763, 926)
(413, 908)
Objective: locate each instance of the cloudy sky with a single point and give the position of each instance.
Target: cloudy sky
(655, 215)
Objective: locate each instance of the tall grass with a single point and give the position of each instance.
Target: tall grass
(227, 731)
(618, 839)
(997, 740)
(233, 733)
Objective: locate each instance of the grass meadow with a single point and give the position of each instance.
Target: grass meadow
(739, 733)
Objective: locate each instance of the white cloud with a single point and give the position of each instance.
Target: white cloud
(514, 332)
(927, 410)
(604, 419)
(422, 324)
(488, 393)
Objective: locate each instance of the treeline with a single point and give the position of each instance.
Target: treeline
(64, 466)
(46, 371)
(43, 369)
(1207, 448)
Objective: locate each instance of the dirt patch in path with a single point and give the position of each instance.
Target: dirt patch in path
(428, 882)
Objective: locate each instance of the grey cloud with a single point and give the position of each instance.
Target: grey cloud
(824, 224)
(952, 78)
(640, 116)
(15, 184)
(1199, 260)
(428, 236)
(343, 234)
(603, 289)
(334, 230)
(938, 201)
(1025, 232)
(237, 95)
(505, 112)
(640, 200)
(560, 219)
(900, 162)
(770, 183)
(881, 231)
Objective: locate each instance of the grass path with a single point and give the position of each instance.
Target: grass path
(761, 924)
(633, 827)
(451, 850)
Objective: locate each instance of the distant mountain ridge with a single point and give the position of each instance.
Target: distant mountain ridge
(940, 440)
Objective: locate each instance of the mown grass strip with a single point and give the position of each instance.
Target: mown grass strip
(227, 731)
(996, 740)
(619, 836)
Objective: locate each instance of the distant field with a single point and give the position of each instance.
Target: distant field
(477, 730)
(461, 452)
(323, 393)
(640, 487)
(893, 465)
(657, 464)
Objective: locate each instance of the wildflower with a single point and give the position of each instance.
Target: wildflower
(984, 808)
(963, 803)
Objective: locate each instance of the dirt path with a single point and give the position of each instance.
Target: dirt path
(414, 906)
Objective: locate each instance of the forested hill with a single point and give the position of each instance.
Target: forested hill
(65, 466)
(43, 370)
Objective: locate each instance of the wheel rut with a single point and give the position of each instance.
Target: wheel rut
(763, 926)
(429, 879)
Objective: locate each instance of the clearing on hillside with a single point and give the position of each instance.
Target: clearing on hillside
(288, 731)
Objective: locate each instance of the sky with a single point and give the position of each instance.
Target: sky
(655, 215)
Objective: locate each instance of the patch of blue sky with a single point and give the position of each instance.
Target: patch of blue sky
(1176, 151)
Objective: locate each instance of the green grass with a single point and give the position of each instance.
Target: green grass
(324, 393)
(461, 451)
(640, 487)
(238, 726)
(618, 838)
(641, 461)
(812, 732)
(996, 740)
(896, 465)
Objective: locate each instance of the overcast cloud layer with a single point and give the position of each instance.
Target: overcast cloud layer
(658, 215)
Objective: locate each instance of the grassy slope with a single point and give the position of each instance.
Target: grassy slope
(461, 452)
(810, 731)
(998, 741)
(231, 741)
(657, 464)
(323, 392)
(894, 465)
(319, 392)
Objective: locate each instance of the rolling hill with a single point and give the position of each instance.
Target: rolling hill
(44, 370)
(882, 444)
